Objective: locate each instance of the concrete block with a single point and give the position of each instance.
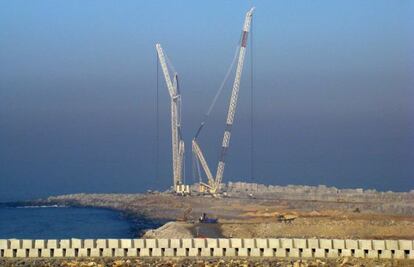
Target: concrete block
(4, 244)
(76, 243)
(8, 253)
(224, 242)
(182, 252)
(107, 252)
(391, 244)
(89, 243)
(365, 244)
(261, 243)
(150, 243)
(307, 253)
(206, 252)
(242, 252)
(319, 253)
(144, 252)
(286, 243)
(138, 243)
(95, 252)
(378, 244)
(294, 253)
(249, 243)
(187, 242)
(46, 253)
(399, 255)
(332, 253)
(313, 243)
(230, 252)
(126, 243)
(385, 254)
(40, 244)
(274, 243)
(101, 243)
(156, 252)
(52, 243)
(175, 243)
(255, 252)
(405, 244)
(268, 252)
(34, 253)
(169, 252)
(411, 255)
(325, 243)
(281, 253)
(21, 253)
(58, 253)
(163, 243)
(83, 252)
(359, 253)
(199, 243)
(193, 252)
(299, 243)
(346, 253)
(70, 253)
(26, 243)
(15, 243)
(113, 243)
(372, 254)
(338, 243)
(131, 252)
(351, 244)
(218, 252)
(236, 243)
(120, 252)
(64, 243)
(212, 243)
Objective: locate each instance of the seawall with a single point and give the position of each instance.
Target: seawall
(208, 247)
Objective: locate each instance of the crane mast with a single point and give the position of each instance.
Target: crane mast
(214, 184)
(177, 142)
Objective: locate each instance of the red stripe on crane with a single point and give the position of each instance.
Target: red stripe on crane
(244, 39)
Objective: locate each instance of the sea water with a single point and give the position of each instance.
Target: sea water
(57, 222)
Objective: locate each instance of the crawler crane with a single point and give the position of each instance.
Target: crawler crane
(213, 183)
(177, 142)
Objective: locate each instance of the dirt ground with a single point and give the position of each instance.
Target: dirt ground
(246, 217)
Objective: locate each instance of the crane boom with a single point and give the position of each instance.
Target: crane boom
(214, 183)
(177, 142)
(233, 100)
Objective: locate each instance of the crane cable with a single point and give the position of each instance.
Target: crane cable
(218, 93)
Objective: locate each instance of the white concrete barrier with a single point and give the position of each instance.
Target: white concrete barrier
(209, 247)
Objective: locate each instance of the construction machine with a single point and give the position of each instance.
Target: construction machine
(176, 137)
(213, 183)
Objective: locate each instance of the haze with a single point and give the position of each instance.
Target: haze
(333, 93)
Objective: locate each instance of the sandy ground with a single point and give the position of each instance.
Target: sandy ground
(246, 217)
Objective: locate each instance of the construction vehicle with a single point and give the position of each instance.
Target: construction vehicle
(213, 183)
(177, 142)
(204, 219)
(286, 218)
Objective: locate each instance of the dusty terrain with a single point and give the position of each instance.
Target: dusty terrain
(251, 211)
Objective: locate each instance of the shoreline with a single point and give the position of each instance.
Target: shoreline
(251, 210)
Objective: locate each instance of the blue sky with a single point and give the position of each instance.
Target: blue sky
(333, 92)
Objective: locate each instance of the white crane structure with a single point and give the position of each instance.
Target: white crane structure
(213, 184)
(177, 142)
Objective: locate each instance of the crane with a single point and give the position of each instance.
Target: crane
(213, 184)
(177, 142)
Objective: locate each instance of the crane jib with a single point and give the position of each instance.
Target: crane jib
(244, 39)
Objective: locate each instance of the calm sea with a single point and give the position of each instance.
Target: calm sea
(66, 222)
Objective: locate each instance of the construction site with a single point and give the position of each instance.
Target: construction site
(213, 209)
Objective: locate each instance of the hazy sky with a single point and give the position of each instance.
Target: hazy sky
(333, 92)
